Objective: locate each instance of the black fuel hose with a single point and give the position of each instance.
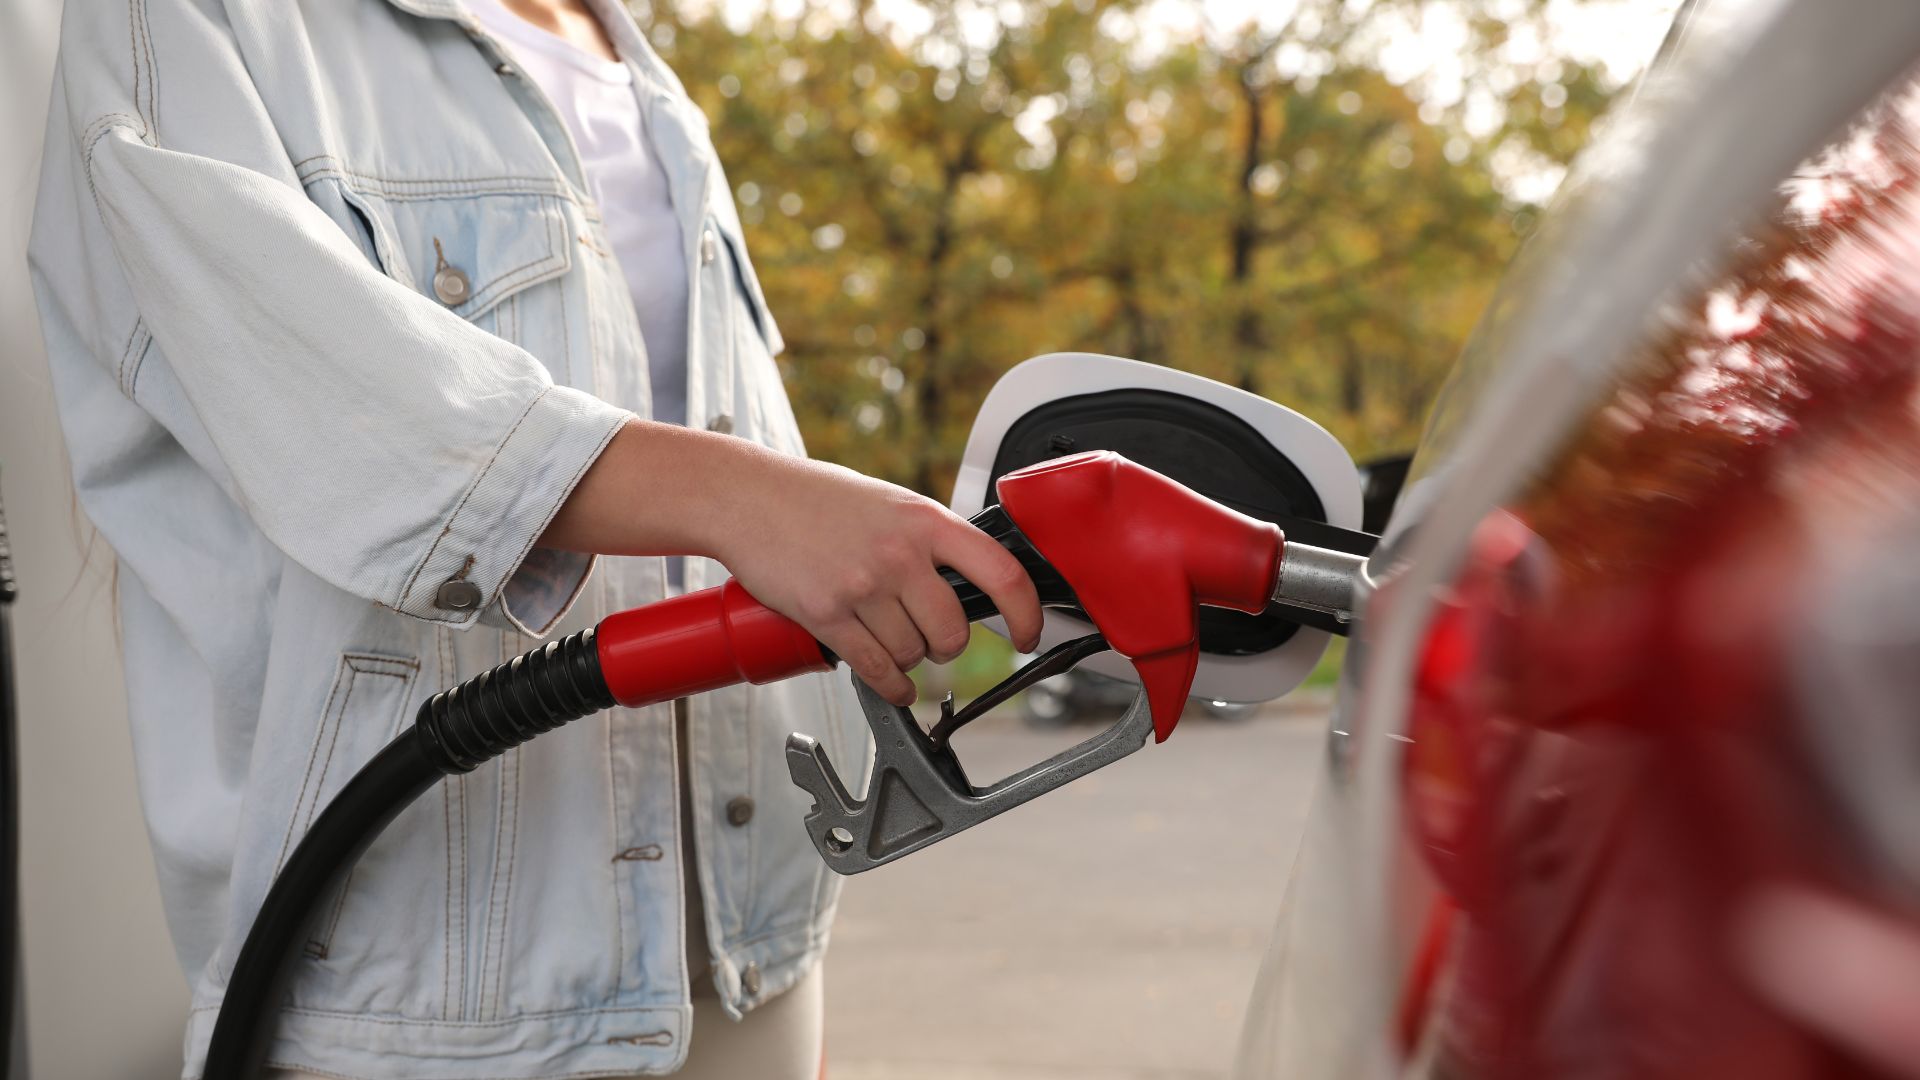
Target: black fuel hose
(454, 732)
(375, 796)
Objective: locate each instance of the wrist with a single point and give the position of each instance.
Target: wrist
(660, 489)
(728, 487)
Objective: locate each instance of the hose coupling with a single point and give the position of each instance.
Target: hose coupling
(497, 710)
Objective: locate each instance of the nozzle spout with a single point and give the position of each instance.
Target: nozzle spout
(1320, 579)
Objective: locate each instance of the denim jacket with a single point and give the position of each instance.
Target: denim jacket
(334, 329)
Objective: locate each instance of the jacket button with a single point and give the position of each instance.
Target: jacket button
(709, 247)
(450, 284)
(721, 425)
(458, 596)
(739, 811)
(750, 980)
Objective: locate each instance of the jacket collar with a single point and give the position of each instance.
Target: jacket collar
(615, 18)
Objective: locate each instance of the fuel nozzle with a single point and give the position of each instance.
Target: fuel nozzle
(1139, 554)
(1129, 550)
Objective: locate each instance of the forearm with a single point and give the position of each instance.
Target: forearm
(661, 489)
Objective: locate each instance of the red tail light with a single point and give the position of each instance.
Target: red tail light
(1613, 762)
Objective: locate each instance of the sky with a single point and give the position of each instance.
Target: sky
(1621, 34)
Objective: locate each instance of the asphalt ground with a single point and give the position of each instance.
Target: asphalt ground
(1111, 929)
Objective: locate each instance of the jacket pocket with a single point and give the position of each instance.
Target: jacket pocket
(364, 711)
(465, 251)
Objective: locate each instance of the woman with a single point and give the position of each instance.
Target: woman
(373, 324)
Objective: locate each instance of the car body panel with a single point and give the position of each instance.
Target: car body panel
(1749, 91)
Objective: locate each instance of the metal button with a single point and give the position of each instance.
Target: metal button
(721, 425)
(739, 811)
(709, 247)
(458, 596)
(750, 980)
(450, 284)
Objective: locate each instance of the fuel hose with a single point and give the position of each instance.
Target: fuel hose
(671, 649)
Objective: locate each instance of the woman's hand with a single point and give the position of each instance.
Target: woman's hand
(852, 559)
(855, 561)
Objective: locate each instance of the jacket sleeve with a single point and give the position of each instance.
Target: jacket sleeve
(380, 440)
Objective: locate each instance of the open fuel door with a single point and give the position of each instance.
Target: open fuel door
(1241, 450)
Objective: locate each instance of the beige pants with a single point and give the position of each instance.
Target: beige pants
(781, 1040)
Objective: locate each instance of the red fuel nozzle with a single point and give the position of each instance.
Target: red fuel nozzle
(1142, 552)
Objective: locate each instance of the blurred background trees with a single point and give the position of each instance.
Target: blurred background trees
(1314, 206)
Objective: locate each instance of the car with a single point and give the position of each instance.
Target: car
(1623, 779)
(1081, 696)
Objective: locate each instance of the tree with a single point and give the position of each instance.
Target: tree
(1286, 210)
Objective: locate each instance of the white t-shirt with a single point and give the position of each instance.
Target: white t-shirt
(598, 101)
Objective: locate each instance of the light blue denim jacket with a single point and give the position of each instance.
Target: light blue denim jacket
(323, 465)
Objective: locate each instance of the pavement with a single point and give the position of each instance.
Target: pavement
(1109, 930)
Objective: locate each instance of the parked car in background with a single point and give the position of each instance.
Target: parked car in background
(1624, 778)
(1381, 480)
(1089, 697)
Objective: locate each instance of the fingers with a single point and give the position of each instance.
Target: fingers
(894, 629)
(856, 646)
(984, 562)
(936, 611)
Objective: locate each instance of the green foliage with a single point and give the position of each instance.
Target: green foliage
(1271, 211)
(989, 659)
(1326, 674)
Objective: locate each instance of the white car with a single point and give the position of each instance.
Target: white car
(1624, 778)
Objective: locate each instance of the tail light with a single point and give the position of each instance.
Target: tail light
(1641, 730)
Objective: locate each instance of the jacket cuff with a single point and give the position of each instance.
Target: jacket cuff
(540, 592)
(480, 559)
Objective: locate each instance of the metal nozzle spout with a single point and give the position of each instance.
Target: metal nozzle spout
(1320, 579)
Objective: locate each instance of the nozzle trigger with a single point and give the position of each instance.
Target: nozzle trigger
(920, 793)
